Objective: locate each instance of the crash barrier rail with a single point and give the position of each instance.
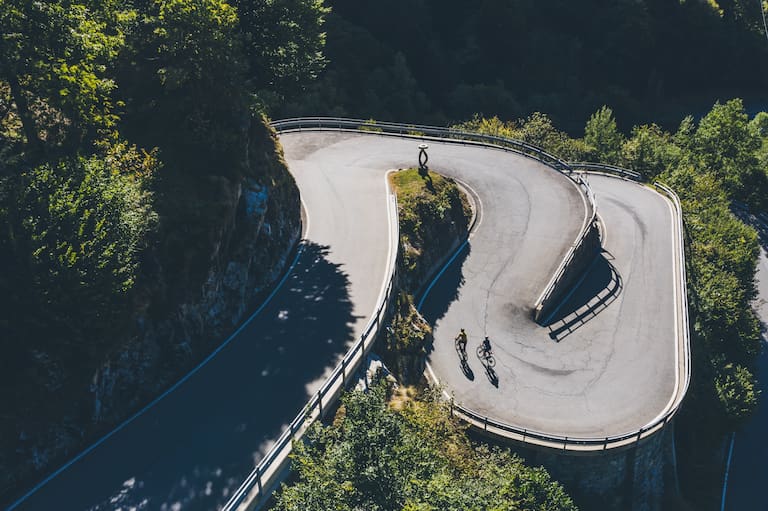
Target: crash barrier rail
(602, 167)
(683, 356)
(548, 294)
(259, 484)
(257, 488)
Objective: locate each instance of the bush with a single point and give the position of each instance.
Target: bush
(417, 458)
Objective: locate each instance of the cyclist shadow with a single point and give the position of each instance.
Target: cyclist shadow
(492, 376)
(468, 372)
(488, 361)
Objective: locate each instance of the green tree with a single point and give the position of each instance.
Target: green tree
(184, 84)
(417, 458)
(603, 137)
(55, 58)
(735, 387)
(76, 233)
(284, 40)
(727, 145)
(649, 150)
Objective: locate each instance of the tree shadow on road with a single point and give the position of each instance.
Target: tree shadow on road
(601, 286)
(446, 289)
(193, 456)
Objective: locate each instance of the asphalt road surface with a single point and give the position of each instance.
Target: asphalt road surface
(749, 465)
(195, 446)
(605, 365)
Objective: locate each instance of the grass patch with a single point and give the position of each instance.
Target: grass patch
(434, 215)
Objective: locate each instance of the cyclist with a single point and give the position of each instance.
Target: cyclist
(486, 346)
(461, 340)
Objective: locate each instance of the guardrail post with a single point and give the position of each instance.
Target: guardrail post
(485, 424)
(451, 407)
(258, 480)
(320, 403)
(344, 371)
(605, 445)
(565, 443)
(525, 433)
(640, 432)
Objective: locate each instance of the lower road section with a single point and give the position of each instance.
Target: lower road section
(194, 447)
(749, 465)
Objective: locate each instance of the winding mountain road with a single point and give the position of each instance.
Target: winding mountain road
(606, 363)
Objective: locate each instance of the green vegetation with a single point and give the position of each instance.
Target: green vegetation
(131, 141)
(434, 214)
(440, 61)
(409, 455)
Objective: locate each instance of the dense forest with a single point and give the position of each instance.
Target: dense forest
(441, 61)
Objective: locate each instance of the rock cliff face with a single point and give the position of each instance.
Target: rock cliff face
(179, 319)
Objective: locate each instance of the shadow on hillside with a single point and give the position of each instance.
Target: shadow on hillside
(195, 447)
(601, 286)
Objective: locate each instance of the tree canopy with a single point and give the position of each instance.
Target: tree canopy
(651, 60)
(414, 458)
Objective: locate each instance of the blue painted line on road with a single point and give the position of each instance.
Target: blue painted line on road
(141, 412)
(437, 277)
(727, 470)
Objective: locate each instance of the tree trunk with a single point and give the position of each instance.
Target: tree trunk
(24, 114)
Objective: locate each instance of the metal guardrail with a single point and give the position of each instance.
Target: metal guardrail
(464, 137)
(611, 169)
(258, 486)
(509, 431)
(259, 482)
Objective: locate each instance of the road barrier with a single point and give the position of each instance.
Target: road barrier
(257, 488)
(581, 249)
(507, 431)
(255, 491)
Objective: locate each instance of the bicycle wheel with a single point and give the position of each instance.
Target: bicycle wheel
(490, 361)
(480, 352)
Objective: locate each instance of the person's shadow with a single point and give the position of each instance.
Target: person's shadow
(492, 376)
(461, 349)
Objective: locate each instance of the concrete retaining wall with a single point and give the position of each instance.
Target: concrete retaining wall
(635, 478)
(583, 256)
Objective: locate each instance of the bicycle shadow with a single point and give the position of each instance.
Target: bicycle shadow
(488, 361)
(492, 376)
(464, 364)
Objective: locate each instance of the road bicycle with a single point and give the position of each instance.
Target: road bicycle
(486, 356)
